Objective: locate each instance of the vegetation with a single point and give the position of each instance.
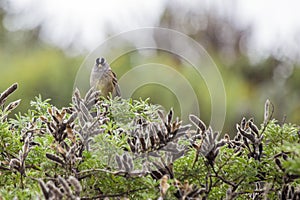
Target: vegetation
(121, 148)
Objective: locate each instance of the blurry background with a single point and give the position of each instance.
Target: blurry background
(255, 45)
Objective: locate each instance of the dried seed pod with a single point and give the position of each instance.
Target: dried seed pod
(25, 147)
(156, 175)
(76, 184)
(269, 109)
(260, 149)
(127, 162)
(7, 92)
(198, 123)
(152, 140)
(130, 163)
(70, 133)
(181, 131)
(161, 137)
(44, 188)
(72, 118)
(254, 128)
(86, 114)
(143, 143)
(65, 186)
(188, 191)
(164, 186)
(126, 166)
(89, 94)
(284, 156)
(278, 163)
(226, 137)
(11, 106)
(60, 115)
(170, 116)
(125, 157)
(245, 134)
(161, 115)
(55, 158)
(131, 145)
(54, 190)
(44, 119)
(15, 164)
(119, 162)
(243, 123)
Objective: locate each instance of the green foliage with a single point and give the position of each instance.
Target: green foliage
(99, 148)
(292, 165)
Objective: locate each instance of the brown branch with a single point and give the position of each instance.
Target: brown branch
(223, 179)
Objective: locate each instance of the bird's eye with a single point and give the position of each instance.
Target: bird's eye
(102, 61)
(97, 61)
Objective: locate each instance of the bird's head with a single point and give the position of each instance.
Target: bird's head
(101, 63)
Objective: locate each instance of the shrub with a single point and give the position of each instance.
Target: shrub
(122, 148)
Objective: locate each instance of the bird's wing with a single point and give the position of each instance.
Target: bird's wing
(116, 85)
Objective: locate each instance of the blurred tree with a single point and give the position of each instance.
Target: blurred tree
(37, 67)
(248, 83)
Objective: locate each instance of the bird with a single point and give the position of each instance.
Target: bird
(102, 78)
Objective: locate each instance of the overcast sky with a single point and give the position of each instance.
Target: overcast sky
(81, 24)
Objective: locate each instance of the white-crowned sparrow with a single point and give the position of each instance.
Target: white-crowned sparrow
(104, 79)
